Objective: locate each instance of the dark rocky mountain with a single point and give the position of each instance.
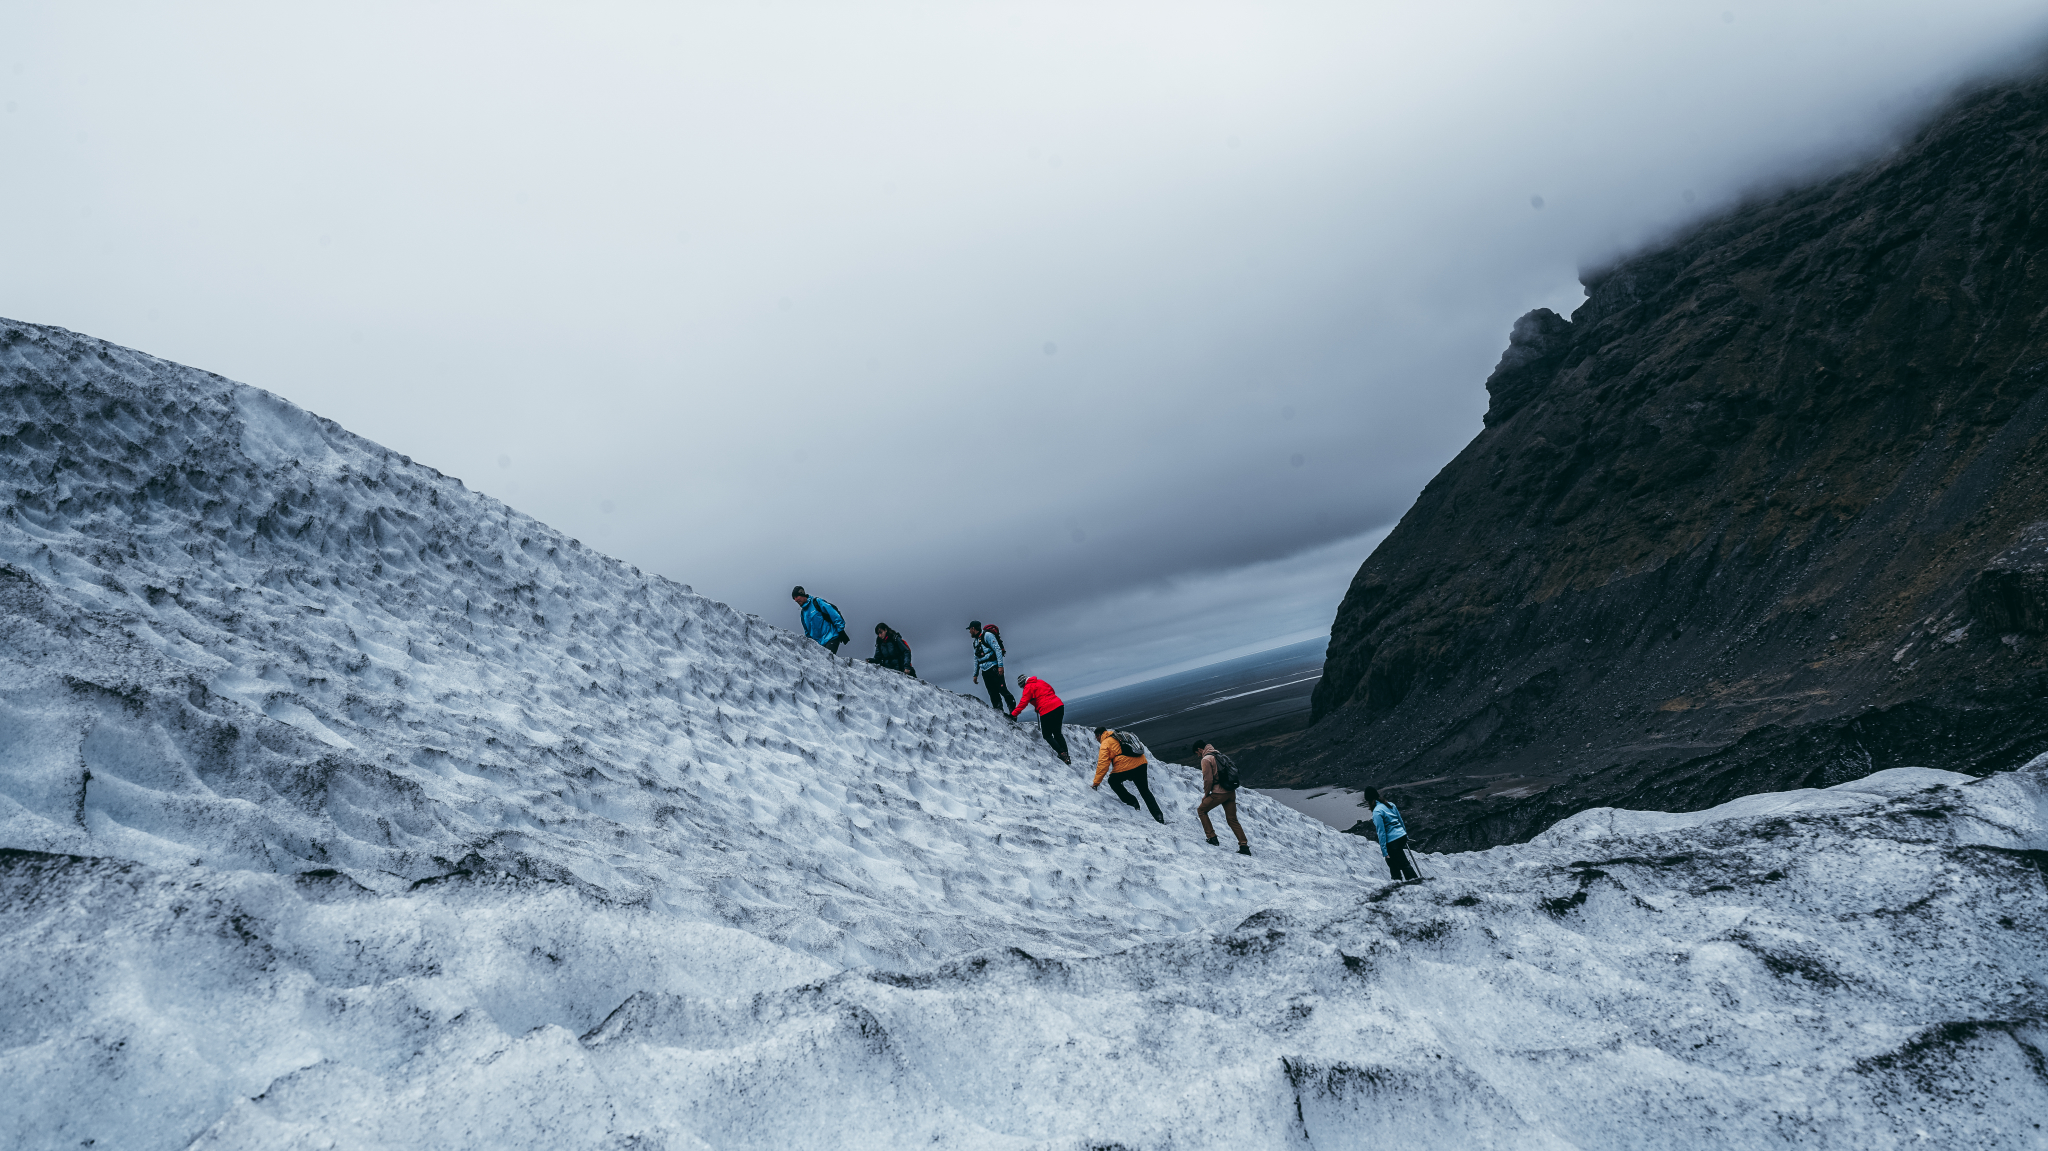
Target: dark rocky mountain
(1770, 510)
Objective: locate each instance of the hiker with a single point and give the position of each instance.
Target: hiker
(988, 665)
(892, 651)
(822, 621)
(1386, 822)
(1219, 789)
(1122, 759)
(1035, 692)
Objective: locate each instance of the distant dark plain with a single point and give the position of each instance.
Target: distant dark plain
(1235, 703)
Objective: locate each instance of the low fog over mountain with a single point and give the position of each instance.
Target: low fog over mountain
(1133, 328)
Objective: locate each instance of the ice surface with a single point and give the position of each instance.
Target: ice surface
(1609, 822)
(242, 636)
(344, 807)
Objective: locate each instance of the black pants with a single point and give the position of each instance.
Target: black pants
(1397, 859)
(1134, 776)
(832, 645)
(1049, 727)
(999, 695)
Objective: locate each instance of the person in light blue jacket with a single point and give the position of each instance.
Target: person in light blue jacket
(988, 667)
(1386, 823)
(822, 621)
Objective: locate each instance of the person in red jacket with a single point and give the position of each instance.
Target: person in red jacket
(1035, 692)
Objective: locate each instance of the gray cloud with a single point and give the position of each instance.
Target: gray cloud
(1040, 313)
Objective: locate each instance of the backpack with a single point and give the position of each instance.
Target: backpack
(1129, 744)
(998, 633)
(826, 610)
(1226, 772)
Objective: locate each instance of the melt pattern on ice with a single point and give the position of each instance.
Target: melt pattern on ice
(344, 807)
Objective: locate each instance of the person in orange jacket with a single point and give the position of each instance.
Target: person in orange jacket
(1035, 692)
(1111, 761)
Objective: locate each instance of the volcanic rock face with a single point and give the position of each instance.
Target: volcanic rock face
(1767, 511)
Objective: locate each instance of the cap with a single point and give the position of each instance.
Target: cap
(975, 624)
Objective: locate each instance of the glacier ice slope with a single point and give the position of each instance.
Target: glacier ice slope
(343, 807)
(238, 636)
(1861, 970)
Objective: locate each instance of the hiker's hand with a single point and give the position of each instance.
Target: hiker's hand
(977, 679)
(1093, 786)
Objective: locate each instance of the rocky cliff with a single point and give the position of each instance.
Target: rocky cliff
(1770, 510)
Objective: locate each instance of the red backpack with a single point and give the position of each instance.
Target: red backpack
(998, 633)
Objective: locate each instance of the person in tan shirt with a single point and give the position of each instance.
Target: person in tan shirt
(1219, 789)
(1111, 761)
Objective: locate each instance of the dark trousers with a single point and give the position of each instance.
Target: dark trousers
(1049, 727)
(1397, 860)
(1135, 776)
(832, 645)
(999, 696)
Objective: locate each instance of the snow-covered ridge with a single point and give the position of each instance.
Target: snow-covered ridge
(242, 637)
(343, 807)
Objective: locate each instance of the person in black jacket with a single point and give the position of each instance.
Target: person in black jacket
(892, 651)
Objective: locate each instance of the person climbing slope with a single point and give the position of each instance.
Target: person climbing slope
(1122, 758)
(988, 666)
(1035, 692)
(822, 621)
(1219, 789)
(1386, 823)
(892, 651)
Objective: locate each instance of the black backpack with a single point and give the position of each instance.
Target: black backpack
(1128, 744)
(1226, 772)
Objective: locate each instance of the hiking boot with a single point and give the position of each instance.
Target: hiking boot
(1214, 842)
(1065, 760)
(1244, 849)
(1159, 819)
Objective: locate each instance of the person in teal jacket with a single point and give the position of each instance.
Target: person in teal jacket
(1386, 823)
(822, 621)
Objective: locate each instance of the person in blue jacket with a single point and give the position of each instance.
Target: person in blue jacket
(822, 621)
(1386, 823)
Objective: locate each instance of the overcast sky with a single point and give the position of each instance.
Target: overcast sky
(1132, 327)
